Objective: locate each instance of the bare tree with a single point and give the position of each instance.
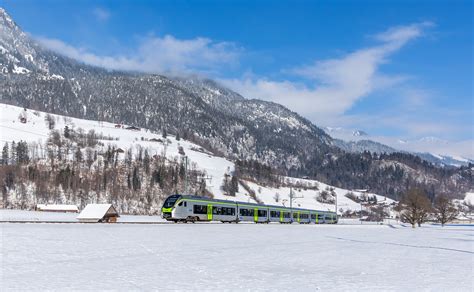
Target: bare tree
(444, 210)
(415, 207)
(276, 197)
(50, 121)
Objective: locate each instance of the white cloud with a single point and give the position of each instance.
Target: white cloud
(338, 83)
(158, 55)
(101, 14)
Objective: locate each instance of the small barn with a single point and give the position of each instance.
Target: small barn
(94, 213)
(57, 208)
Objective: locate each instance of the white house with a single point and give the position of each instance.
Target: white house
(57, 208)
(93, 213)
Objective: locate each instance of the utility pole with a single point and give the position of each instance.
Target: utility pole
(185, 175)
(165, 143)
(292, 197)
(291, 204)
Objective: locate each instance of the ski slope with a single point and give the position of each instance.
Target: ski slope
(235, 257)
(36, 130)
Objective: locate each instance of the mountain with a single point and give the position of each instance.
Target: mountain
(206, 113)
(427, 148)
(363, 145)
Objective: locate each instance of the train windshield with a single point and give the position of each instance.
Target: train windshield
(170, 201)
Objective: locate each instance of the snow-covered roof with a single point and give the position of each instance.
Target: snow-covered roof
(97, 211)
(469, 198)
(57, 207)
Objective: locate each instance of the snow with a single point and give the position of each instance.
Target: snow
(55, 76)
(37, 216)
(54, 207)
(29, 57)
(237, 257)
(3, 50)
(94, 211)
(469, 198)
(23, 215)
(20, 70)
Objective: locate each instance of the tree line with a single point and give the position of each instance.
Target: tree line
(66, 172)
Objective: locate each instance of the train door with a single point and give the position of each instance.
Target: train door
(209, 212)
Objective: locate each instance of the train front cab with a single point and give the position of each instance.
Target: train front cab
(191, 209)
(169, 206)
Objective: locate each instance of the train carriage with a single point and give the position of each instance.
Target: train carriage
(278, 214)
(252, 212)
(301, 215)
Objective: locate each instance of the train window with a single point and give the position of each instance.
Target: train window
(216, 210)
(262, 213)
(313, 216)
(304, 216)
(180, 203)
(295, 215)
(185, 204)
(246, 212)
(200, 209)
(228, 211)
(274, 214)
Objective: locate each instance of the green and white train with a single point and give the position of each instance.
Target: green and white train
(181, 208)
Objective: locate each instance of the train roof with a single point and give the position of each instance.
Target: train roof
(191, 197)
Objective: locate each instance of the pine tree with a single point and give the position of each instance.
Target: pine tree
(5, 154)
(78, 155)
(136, 184)
(146, 162)
(50, 121)
(67, 132)
(22, 153)
(13, 153)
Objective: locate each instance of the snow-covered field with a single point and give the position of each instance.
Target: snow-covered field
(239, 257)
(37, 216)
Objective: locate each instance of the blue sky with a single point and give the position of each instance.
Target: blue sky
(392, 68)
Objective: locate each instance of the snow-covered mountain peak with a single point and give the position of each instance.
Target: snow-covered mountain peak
(431, 139)
(359, 133)
(18, 53)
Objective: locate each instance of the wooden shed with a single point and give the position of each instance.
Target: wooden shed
(94, 213)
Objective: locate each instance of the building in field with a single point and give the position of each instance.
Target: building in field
(57, 208)
(94, 213)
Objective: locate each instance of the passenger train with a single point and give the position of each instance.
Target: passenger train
(182, 208)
